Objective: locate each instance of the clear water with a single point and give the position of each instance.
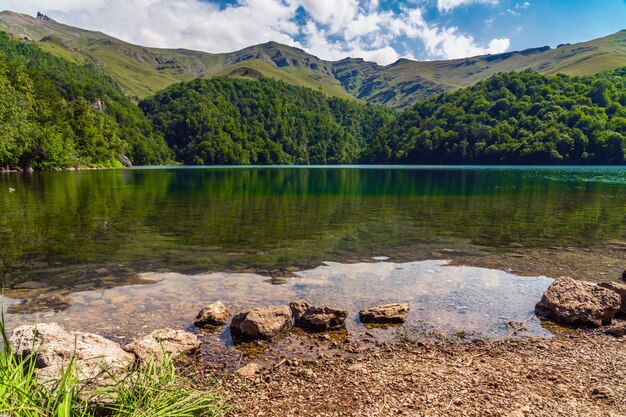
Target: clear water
(68, 236)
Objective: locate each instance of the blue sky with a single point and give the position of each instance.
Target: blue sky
(377, 30)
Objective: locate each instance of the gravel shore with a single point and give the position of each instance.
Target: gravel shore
(577, 374)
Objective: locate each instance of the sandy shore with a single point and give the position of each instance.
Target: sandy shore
(581, 374)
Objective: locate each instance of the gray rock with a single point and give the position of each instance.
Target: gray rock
(261, 323)
(619, 288)
(578, 303)
(385, 314)
(216, 314)
(29, 285)
(298, 308)
(321, 319)
(172, 342)
(54, 347)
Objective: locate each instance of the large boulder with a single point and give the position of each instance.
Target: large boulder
(619, 288)
(574, 302)
(261, 323)
(216, 314)
(54, 347)
(317, 319)
(385, 314)
(166, 341)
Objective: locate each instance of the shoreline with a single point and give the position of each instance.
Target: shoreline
(577, 374)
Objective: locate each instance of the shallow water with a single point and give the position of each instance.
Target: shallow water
(443, 299)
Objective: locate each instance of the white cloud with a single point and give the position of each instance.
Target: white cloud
(333, 30)
(447, 5)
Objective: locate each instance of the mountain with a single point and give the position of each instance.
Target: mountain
(142, 71)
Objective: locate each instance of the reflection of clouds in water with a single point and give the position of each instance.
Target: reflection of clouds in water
(443, 297)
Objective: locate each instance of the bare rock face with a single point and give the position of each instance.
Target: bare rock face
(261, 323)
(125, 160)
(385, 314)
(216, 314)
(172, 342)
(54, 347)
(318, 319)
(578, 303)
(619, 288)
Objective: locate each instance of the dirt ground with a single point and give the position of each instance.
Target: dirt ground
(579, 374)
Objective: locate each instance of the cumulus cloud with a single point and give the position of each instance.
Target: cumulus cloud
(447, 5)
(329, 29)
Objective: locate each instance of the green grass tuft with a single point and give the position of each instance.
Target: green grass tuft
(154, 389)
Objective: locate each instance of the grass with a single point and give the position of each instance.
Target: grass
(153, 389)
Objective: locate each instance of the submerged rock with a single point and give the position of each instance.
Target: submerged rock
(578, 303)
(620, 289)
(164, 341)
(216, 314)
(54, 347)
(261, 323)
(318, 319)
(385, 314)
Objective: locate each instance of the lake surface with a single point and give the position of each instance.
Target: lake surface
(74, 234)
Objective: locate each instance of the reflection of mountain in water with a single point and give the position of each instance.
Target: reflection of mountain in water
(60, 227)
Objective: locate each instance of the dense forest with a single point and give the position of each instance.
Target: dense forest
(236, 121)
(513, 118)
(56, 114)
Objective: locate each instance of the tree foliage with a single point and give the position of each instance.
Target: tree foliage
(56, 114)
(235, 121)
(513, 118)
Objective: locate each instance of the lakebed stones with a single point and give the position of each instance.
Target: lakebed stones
(54, 347)
(619, 288)
(172, 342)
(578, 303)
(216, 314)
(385, 314)
(248, 370)
(261, 322)
(318, 319)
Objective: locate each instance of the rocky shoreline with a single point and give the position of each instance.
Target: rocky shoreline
(578, 372)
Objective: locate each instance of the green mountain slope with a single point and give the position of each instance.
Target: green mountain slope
(513, 118)
(142, 71)
(55, 113)
(234, 121)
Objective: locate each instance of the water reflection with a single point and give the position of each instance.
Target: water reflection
(58, 228)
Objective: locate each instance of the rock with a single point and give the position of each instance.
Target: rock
(616, 329)
(298, 308)
(12, 190)
(578, 303)
(261, 323)
(124, 160)
(54, 347)
(624, 275)
(29, 285)
(318, 319)
(387, 313)
(249, 370)
(321, 319)
(164, 341)
(602, 392)
(620, 289)
(216, 314)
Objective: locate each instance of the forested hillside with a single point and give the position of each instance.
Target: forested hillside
(56, 114)
(513, 118)
(235, 121)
